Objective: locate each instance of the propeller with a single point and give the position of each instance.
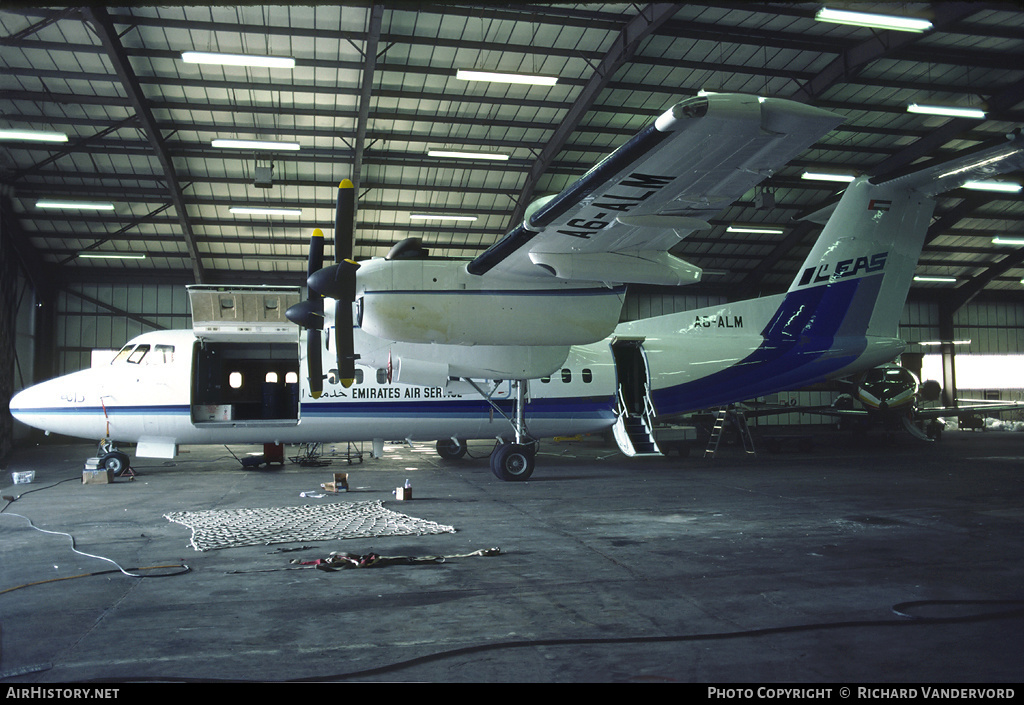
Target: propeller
(338, 282)
(310, 315)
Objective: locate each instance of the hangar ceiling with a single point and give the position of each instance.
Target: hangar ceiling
(374, 92)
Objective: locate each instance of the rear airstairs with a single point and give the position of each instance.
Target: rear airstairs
(634, 432)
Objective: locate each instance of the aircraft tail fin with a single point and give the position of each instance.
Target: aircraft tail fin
(855, 280)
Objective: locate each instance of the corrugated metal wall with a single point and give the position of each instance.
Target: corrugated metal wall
(106, 316)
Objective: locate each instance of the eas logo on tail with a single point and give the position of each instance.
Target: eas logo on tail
(844, 268)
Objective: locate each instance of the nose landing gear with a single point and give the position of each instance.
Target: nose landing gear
(113, 460)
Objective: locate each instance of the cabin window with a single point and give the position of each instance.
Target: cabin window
(235, 380)
(588, 375)
(291, 378)
(138, 354)
(546, 380)
(271, 378)
(567, 375)
(382, 376)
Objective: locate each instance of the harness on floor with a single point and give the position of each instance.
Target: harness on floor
(341, 561)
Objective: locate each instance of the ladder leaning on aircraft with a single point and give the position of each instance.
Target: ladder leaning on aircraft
(475, 350)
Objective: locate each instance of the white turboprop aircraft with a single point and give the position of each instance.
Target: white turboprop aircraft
(524, 341)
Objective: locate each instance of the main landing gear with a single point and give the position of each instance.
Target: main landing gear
(513, 461)
(510, 462)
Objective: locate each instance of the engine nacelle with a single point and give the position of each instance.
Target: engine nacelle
(432, 365)
(437, 301)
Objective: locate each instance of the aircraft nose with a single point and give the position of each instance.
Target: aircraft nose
(26, 404)
(21, 402)
(51, 405)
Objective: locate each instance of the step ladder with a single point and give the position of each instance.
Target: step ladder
(727, 415)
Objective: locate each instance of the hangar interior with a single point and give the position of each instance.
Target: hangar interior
(159, 200)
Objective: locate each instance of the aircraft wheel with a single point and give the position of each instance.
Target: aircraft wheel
(512, 462)
(450, 449)
(116, 462)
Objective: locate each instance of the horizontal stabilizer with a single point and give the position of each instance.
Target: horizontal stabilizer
(988, 161)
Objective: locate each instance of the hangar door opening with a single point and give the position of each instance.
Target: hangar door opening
(248, 383)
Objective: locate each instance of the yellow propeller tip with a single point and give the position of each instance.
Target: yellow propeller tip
(318, 233)
(346, 183)
(316, 395)
(346, 383)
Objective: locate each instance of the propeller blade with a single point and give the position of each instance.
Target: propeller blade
(343, 339)
(342, 286)
(316, 252)
(344, 221)
(314, 363)
(310, 315)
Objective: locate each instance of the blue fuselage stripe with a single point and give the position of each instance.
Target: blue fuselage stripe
(799, 347)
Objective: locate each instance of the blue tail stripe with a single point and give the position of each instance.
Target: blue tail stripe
(815, 332)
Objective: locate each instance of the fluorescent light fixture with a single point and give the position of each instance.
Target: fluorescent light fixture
(867, 19)
(109, 255)
(823, 176)
(467, 155)
(1001, 240)
(204, 57)
(938, 280)
(946, 111)
(945, 342)
(248, 210)
(997, 186)
(754, 229)
(429, 216)
(495, 77)
(33, 136)
(76, 205)
(254, 144)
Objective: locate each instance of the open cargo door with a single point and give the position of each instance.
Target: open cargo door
(245, 369)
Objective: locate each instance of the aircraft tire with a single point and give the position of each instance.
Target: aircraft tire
(116, 462)
(451, 450)
(511, 462)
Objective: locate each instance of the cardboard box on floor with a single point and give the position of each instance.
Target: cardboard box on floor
(338, 484)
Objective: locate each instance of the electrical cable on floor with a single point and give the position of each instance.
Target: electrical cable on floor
(186, 569)
(89, 555)
(11, 500)
(902, 609)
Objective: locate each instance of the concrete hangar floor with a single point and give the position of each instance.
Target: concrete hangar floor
(859, 562)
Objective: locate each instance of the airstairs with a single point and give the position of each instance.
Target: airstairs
(726, 415)
(634, 432)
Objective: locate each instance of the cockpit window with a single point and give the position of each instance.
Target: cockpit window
(122, 355)
(162, 355)
(138, 354)
(145, 354)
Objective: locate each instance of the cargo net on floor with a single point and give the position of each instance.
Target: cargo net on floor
(229, 528)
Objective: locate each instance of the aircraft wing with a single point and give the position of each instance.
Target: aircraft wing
(993, 407)
(617, 222)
